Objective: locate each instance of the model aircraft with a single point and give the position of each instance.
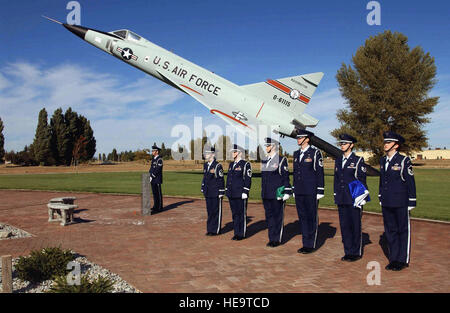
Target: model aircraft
(276, 103)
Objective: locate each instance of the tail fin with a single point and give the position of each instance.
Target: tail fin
(291, 93)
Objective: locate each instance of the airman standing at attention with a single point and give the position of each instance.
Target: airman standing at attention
(397, 198)
(239, 180)
(348, 169)
(274, 177)
(213, 188)
(308, 188)
(156, 178)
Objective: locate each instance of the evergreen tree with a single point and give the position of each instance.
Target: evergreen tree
(88, 134)
(42, 140)
(387, 89)
(72, 126)
(2, 142)
(223, 147)
(114, 155)
(60, 137)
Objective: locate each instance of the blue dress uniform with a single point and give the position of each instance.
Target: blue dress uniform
(347, 170)
(156, 170)
(397, 194)
(274, 174)
(213, 185)
(239, 180)
(308, 183)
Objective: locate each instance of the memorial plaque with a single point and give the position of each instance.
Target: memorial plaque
(146, 201)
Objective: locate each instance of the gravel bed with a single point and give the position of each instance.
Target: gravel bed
(93, 271)
(15, 232)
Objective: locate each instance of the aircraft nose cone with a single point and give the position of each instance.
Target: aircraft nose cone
(80, 31)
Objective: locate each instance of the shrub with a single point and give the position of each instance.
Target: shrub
(99, 285)
(44, 264)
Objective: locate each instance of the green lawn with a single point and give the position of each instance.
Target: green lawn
(433, 187)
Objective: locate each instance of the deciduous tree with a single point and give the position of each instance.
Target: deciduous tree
(387, 88)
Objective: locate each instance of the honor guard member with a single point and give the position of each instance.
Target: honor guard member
(156, 170)
(213, 188)
(274, 174)
(308, 188)
(239, 180)
(347, 169)
(397, 197)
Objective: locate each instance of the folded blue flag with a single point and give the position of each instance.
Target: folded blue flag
(359, 193)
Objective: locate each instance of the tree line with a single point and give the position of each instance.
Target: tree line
(129, 156)
(67, 140)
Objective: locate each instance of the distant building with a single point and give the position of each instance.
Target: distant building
(436, 154)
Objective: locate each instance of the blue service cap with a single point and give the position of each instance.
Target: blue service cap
(346, 138)
(304, 133)
(391, 136)
(237, 148)
(269, 141)
(156, 148)
(209, 149)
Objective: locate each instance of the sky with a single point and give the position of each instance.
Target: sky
(42, 65)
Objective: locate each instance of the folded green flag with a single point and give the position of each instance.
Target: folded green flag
(280, 192)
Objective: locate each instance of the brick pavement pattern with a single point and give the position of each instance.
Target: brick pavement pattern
(169, 252)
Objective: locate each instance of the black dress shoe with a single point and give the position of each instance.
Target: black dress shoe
(276, 244)
(305, 250)
(353, 258)
(234, 237)
(239, 238)
(390, 266)
(269, 244)
(398, 266)
(345, 258)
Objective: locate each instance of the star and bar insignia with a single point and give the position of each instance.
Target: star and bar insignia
(127, 53)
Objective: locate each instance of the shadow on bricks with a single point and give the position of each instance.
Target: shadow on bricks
(173, 206)
(255, 228)
(383, 244)
(291, 230)
(324, 232)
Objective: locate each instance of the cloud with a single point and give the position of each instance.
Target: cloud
(26, 88)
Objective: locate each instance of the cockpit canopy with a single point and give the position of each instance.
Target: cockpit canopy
(127, 34)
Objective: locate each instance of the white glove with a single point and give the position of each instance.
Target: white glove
(220, 196)
(363, 202)
(151, 179)
(410, 208)
(293, 195)
(319, 196)
(244, 196)
(285, 197)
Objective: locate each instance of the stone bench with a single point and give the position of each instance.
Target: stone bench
(64, 200)
(63, 211)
